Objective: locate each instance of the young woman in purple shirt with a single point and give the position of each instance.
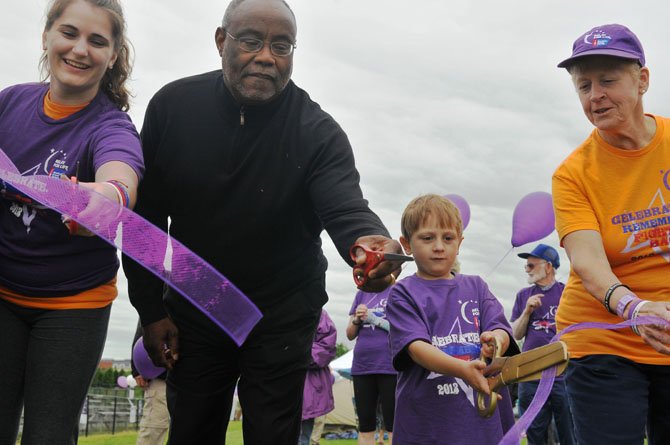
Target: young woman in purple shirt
(57, 281)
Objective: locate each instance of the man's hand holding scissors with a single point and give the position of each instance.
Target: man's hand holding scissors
(374, 273)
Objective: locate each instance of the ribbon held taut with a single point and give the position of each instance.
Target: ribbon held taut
(513, 436)
(195, 279)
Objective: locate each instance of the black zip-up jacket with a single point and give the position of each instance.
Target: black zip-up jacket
(249, 189)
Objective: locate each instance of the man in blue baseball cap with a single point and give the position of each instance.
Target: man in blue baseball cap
(533, 319)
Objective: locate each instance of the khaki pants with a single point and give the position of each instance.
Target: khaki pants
(319, 423)
(155, 419)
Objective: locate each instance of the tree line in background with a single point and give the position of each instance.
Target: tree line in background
(106, 378)
(340, 350)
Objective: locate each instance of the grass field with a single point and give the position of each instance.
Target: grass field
(233, 437)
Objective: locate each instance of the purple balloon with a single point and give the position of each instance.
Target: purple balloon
(122, 381)
(463, 207)
(143, 363)
(533, 218)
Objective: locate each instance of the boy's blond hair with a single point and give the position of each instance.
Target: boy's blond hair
(416, 212)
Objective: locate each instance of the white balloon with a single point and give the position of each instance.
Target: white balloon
(131, 381)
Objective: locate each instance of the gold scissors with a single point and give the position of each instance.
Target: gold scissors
(524, 367)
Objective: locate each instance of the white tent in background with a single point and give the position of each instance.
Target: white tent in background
(342, 364)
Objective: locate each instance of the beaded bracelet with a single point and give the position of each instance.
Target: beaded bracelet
(608, 296)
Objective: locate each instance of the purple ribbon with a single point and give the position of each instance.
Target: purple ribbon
(513, 436)
(197, 281)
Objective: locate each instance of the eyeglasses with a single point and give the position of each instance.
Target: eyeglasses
(530, 266)
(250, 45)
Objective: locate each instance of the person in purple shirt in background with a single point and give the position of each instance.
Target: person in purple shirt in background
(318, 393)
(533, 318)
(372, 367)
(441, 321)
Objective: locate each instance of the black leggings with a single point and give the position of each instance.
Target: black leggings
(368, 389)
(48, 360)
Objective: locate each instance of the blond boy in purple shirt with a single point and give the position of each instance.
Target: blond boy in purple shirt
(440, 323)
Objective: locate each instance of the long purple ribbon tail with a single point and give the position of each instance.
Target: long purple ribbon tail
(196, 280)
(513, 436)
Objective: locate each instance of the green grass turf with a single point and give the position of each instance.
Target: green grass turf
(233, 437)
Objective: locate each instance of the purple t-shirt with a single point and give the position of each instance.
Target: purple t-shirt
(432, 408)
(542, 321)
(38, 257)
(372, 354)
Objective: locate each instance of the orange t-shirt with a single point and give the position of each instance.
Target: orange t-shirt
(58, 111)
(624, 195)
(95, 298)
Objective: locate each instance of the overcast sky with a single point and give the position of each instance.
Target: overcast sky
(435, 96)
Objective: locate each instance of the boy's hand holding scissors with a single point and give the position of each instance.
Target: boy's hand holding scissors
(473, 374)
(489, 339)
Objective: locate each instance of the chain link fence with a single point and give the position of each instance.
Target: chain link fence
(109, 410)
(110, 413)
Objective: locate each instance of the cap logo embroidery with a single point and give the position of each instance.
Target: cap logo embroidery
(599, 38)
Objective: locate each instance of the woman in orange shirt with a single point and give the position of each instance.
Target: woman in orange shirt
(611, 199)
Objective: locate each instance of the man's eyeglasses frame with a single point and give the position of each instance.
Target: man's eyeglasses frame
(252, 45)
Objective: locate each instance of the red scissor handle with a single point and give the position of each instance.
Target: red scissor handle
(372, 260)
